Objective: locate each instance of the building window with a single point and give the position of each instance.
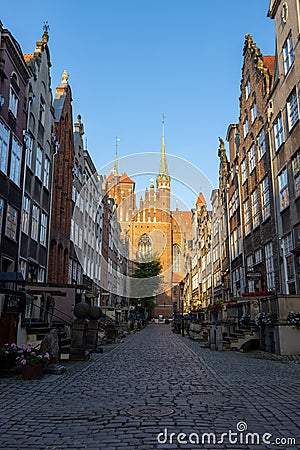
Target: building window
(296, 173)
(74, 194)
(288, 53)
(13, 102)
(177, 266)
(265, 199)
(245, 127)
(80, 238)
(258, 256)
(287, 243)
(43, 231)
(11, 223)
(233, 203)
(46, 172)
(247, 217)
(35, 222)
(72, 230)
(278, 131)
(25, 214)
(248, 88)
(145, 246)
(4, 142)
(255, 208)
(15, 163)
(251, 283)
(29, 158)
(244, 170)
(253, 111)
(41, 275)
(237, 282)
(1, 215)
(38, 162)
(42, 110)
(23, 266)
(234, 244)
(261, 141)
(270, 266)
(250, 262)
(252, 158)
(292, 110)
(283, 189)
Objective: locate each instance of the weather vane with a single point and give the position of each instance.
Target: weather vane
(46, 26)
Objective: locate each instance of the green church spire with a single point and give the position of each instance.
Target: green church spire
(116, 163)
(163, 168)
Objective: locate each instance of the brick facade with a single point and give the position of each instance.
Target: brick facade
(62, 185)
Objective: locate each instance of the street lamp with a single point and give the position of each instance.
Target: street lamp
(181, 286)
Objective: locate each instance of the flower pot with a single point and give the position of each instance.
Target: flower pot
(32, 372)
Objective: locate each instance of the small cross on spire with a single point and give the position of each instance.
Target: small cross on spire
(163, 124)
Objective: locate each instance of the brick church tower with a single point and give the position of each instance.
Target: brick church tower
(152, 228)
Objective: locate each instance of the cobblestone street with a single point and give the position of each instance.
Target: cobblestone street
(154, 383)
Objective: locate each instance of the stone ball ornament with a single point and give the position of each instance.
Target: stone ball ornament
(95, 312)
(82, 310)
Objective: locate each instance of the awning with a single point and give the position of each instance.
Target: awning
(5, 277)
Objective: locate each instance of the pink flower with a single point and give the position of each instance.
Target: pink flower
(40, 356)
(46, 355)
(13, 345)
(23, 362)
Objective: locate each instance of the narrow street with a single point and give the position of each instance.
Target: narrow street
(155, 383)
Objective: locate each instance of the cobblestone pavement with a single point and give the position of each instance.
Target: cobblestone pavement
(154, 384)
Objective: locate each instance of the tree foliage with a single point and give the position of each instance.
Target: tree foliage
(147, 283)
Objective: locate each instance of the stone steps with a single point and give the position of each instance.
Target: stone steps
(236, 340)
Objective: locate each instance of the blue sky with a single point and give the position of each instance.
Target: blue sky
(129, 61)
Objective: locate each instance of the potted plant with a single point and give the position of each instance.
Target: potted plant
(32, 361)
(245, 319)
(264, 318)
(293, 318)
(217, 306)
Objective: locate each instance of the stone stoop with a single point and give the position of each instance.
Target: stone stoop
(36, 331)
(236, 340)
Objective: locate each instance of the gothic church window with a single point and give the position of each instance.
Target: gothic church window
(145, 246)
(177, 266)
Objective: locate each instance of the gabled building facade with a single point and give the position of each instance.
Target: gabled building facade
(284, 132)
(61, 212)
(40, 145)
(14, 75)
(260, 244)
